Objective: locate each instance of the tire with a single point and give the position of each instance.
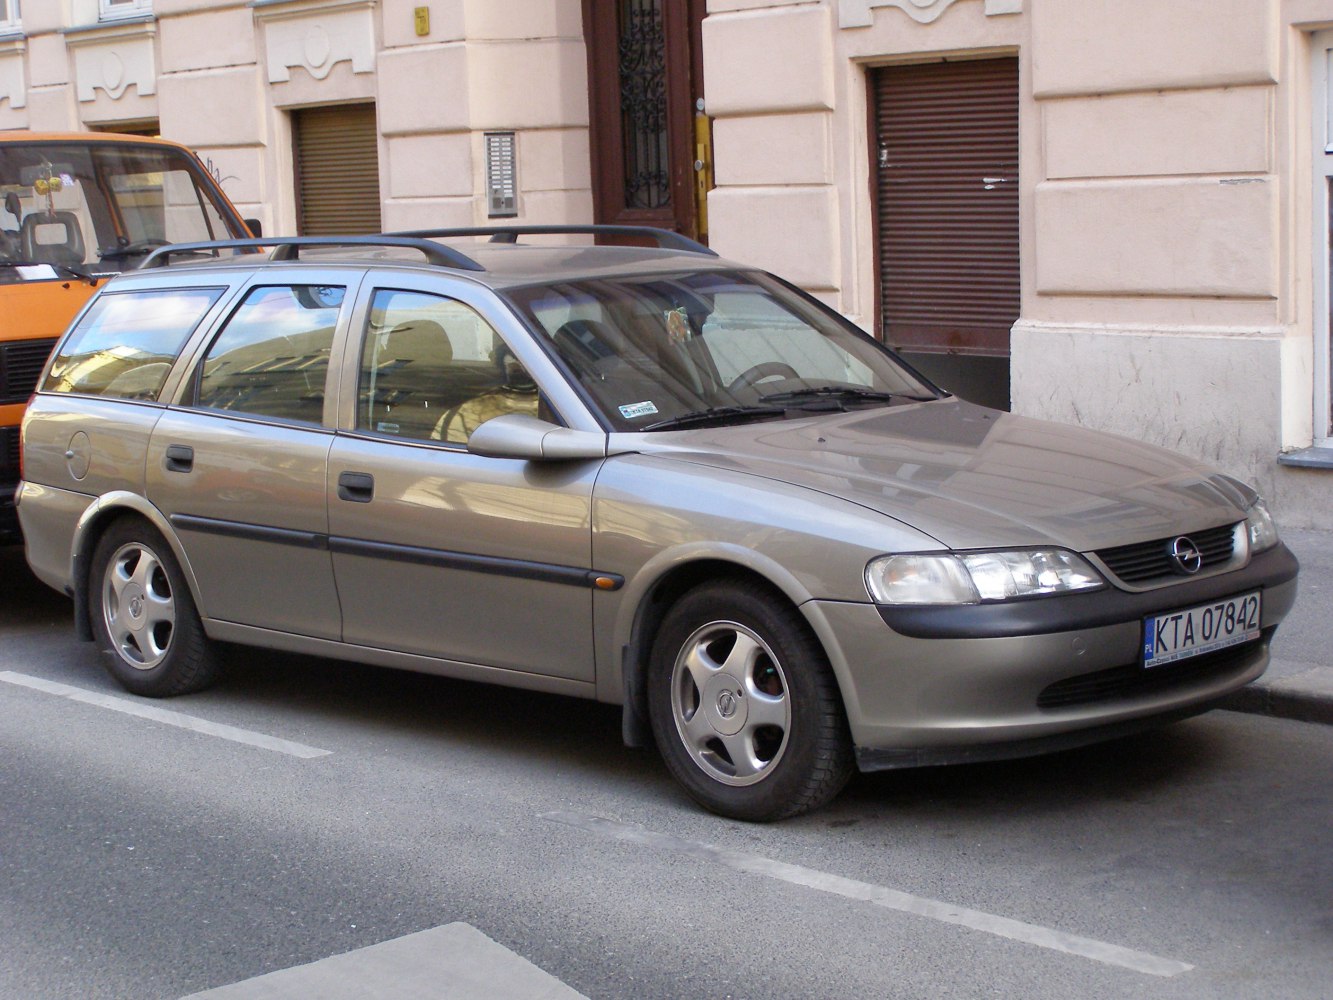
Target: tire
(744, 707)
(143, 615)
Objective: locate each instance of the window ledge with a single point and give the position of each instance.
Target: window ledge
(1308, 458)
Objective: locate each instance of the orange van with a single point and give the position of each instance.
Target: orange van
(75, 208)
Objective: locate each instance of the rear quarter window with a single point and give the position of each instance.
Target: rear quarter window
(126, 342)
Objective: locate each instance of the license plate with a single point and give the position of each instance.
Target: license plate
(1205, 628)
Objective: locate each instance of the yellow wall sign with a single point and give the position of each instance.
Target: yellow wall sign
(421, 16)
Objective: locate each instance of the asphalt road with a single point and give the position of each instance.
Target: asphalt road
(345, 807)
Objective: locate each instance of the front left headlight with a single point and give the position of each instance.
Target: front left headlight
(973, 577)
(1260, 527)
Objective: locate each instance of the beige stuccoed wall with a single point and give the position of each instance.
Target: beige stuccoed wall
(222, 76)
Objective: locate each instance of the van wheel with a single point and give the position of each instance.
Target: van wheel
(744, 706)
(144, 617)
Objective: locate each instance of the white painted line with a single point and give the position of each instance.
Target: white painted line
(177, 719)
(1016, 930)
(453, 962)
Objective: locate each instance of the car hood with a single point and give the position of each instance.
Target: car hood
(973, 477)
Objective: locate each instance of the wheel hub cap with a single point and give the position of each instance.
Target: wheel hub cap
(724, 702)
(134, 606)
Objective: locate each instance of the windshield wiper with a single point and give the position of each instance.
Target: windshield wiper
(77, 272)
(140, 248)
(842, 394)
(716, 415)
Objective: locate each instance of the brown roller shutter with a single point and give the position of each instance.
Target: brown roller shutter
(337, 170)
(947, 187)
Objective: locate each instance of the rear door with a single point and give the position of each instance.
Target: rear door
(240, 467)
(436, 551)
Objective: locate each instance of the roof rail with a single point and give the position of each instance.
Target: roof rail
(665, 238)
(289, 248)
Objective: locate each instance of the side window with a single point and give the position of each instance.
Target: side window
(126, 343)
(271, 359)
(433, 370)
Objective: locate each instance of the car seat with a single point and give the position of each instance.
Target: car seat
(52, 238)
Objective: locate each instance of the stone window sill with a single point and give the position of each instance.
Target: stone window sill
(1308, 458)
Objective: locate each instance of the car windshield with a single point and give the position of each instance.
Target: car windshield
(99, 207)
(668, 351)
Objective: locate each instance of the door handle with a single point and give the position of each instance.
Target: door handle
(358, 487)
(180, 458)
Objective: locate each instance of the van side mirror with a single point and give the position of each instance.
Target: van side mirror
(255, 226)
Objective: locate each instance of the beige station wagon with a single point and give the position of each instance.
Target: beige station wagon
(648, 476)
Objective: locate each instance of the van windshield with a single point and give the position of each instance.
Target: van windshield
(100, 207)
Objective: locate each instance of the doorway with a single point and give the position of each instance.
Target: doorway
(645, 83)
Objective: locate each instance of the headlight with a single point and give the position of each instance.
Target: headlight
(1259, 524)
(972, 577)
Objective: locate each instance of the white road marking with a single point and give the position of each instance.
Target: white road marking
(453, 962)
(177, 719)
(1016, 930)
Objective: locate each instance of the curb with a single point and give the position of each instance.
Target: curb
(1306, 697)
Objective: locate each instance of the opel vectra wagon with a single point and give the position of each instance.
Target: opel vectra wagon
(644, 475)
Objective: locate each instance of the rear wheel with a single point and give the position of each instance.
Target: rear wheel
(143, 615)
(744, 707)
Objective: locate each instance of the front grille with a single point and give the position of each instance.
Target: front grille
(1144, 562)
(1133, 679)
(9, 455)
(21, 364)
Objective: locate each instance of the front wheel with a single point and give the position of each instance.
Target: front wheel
(744, 706)
(144, 617)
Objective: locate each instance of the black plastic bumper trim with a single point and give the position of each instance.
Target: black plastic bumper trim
(522, 569)
(1094, 609)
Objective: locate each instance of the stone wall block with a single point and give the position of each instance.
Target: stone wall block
(789, 230)
(1197, 237)
(422, 166)
(1174, 133)
(773, 149)
(540, 83)
(769, 61)
(423, 90)
(208, 40)
(1104, 46)
(214, 108)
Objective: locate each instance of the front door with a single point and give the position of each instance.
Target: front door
(442, 553)
(645, 84)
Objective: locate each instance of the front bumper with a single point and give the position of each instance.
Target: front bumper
(944, 685)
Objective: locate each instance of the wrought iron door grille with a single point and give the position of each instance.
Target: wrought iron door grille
(643, 104)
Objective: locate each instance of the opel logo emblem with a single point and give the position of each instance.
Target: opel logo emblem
(1185, 556)
(726, 704)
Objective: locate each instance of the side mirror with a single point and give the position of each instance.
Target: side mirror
(255, 226)
(517, 435)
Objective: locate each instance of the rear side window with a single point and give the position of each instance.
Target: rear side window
(271, 359)
(126, 342)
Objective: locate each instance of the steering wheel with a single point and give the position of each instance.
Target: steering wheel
(761, 371)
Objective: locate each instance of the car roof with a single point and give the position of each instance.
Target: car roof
(504, 264)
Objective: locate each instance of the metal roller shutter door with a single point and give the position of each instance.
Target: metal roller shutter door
(947, 188)
(337, 170)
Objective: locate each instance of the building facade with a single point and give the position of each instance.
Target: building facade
(1108, 212)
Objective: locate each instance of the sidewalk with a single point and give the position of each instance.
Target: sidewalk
(1299, 680)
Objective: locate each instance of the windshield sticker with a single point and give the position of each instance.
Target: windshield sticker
(678, 326)
(631, 410)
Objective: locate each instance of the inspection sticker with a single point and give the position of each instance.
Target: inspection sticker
(631, 410)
